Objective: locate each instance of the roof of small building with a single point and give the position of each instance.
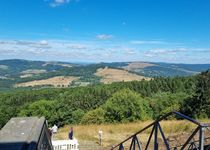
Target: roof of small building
(21, 132)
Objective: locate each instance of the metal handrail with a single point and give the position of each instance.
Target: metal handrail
(156, 123)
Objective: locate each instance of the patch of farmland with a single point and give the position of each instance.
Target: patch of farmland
(137, 65)
(116, 75)
(59, 81)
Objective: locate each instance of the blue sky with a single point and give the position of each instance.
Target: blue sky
(175, 31)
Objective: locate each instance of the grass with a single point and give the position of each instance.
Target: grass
(115, 133)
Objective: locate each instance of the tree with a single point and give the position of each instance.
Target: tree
(77, 116)
(94, 117)
(162, 103)
(40, 108)
(126, 105)
(199, 105)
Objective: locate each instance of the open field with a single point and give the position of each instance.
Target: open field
(116, 75)
(59, 81)
(138, 65)
(33, 71)
(115, 133)
(55, 63)
(3, 67)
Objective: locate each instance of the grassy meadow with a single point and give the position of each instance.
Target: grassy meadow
(115, 133)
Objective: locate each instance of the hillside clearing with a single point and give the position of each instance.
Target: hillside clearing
(116, 75)
(3, 67)
(138, 65)
(59, 81)
(58, 64)
(33, 71)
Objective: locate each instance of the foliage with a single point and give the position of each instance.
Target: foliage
(40, 108)
(77, 116)
(95, 116)
(126, 105)
(162, 103)
(199, 105)
(117, 102)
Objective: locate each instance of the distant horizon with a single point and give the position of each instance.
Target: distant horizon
(106, 30)
(83, 62)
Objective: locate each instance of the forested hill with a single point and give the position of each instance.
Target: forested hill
(116, 102)
(20, 74)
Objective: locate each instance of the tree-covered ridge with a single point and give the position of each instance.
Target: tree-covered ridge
(100, 103)
(16, 71)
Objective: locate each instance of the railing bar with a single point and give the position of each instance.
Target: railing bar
(194, 142)
(164, 138)
(201, 138)
(187, 118)
(133, 135)
(189, 139)
(161, 118)
(190, 147)
(155, 137)
(189, 143)
(121, 147)
(132, 143)
(196, 146)
(150, 137)
(139, 145)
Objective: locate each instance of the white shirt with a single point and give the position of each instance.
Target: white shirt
(100, 133)
(54, 129)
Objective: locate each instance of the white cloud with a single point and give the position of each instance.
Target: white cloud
(78, 50)
(43, 42)
(104, 37)
(158, 52)
(129, 51)
(77, 46)
(61, 1)
(56, 3)
(201, 50)
(147, 42)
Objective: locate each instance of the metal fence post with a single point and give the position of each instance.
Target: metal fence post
(201, 138)
(156, 137)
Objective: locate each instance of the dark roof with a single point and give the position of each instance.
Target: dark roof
(21, 132)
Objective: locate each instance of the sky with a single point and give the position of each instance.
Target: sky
(175, 31)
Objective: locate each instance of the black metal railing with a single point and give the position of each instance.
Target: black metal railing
(190, 142)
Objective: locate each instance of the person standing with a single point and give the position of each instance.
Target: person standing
(100, 132)
(54, 129)
(71, 132)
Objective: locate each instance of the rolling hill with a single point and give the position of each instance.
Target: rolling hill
(20, 72)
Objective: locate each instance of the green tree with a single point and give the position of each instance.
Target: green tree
(94, 117)
(77, 116)
(40, 108)
(199, 105)
(126, 105)
(162, 103)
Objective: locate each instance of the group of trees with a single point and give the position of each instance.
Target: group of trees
(117, 102)
(198, 106)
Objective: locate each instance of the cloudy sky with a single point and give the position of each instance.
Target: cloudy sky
(175, 31)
